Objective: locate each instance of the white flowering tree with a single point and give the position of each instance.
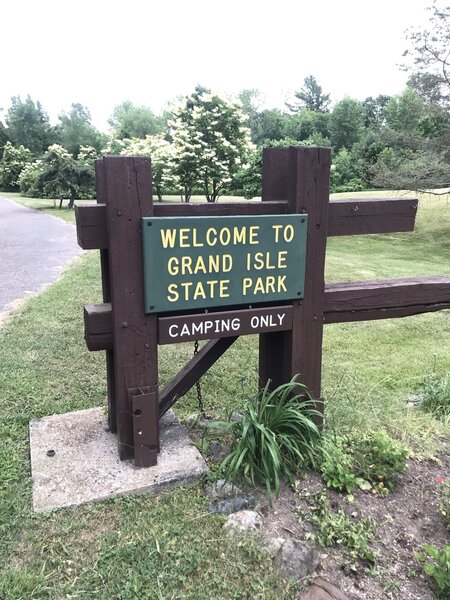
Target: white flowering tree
(13, 162)
(211, 142)
(162, 154)
(59, 175)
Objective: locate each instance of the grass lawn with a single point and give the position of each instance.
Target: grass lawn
(170, 546)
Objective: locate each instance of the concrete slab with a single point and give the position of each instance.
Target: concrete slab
(85, 466)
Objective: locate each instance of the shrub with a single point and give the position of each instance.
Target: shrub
(11, 166)
(374, 460)
(435, 390)
(276, 438)
(337, 466)
(379, 459)
(437, 565)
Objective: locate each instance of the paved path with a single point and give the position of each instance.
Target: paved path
(33, 249)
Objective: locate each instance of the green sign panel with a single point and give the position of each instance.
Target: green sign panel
(205, 262)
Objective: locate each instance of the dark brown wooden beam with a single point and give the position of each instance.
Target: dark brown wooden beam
(98, 326)
(91, 226)
(344, 302)
(384, 299)
(128, 187)
(100, 186)
(378, 215)
(192, 371)
(346, 217)
(219, 209)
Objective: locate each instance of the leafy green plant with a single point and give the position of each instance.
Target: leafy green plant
(276, 437)
(338, 529)
(444, 500)
(372, 461)
(435, 390)
(436, 564)
(337, 466)
(379, 459)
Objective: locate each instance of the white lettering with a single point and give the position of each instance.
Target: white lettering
(170, 331)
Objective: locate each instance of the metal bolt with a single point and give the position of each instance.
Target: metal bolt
(151, 307)
(355, 209)
(51, 453)
(302, 220)
(147, 345)
(125, 324)
(149, 223)
(119, 213)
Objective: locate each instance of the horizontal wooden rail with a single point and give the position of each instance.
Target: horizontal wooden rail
(386, 298)
(347, 217)
(344, 302)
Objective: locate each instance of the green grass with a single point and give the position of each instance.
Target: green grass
(170, 547)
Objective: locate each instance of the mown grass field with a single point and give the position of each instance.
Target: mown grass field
(170, 546)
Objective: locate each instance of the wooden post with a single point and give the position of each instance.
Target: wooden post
(106, 289)
(285, 354)
(128, 185)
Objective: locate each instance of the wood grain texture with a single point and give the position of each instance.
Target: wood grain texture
(91, 219)
(100, 186)
(346, 217)
(299, 351)
(344, 302)
(386, 298)
(129, 194)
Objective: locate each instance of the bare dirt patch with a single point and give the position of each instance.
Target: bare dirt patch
(404, 520)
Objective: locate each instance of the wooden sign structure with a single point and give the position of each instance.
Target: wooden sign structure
(295, 182)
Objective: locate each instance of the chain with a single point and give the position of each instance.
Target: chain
(201, 406)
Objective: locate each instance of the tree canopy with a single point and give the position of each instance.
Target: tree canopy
(133, 121)
(28, 125)
(211, 142)
(310, 96)
(76, 130)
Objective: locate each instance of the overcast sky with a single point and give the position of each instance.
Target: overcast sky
(100, 53)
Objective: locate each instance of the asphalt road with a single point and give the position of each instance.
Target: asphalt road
(33, 249)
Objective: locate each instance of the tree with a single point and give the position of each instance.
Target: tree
(59, 175)
(3, 138)
(12, 164)
(307, 124)
(416, 155)
(408, 113)
(374, 111)
(267, 125)
(310, 96)
(427, 159)
(162, 154)
(211, 142)
(346, 123)
(28, 125)
(428, 58)
(132, 121)
(76, 130)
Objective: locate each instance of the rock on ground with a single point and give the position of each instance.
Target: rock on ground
(244, 521)
(293, 558)
(321, 589)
